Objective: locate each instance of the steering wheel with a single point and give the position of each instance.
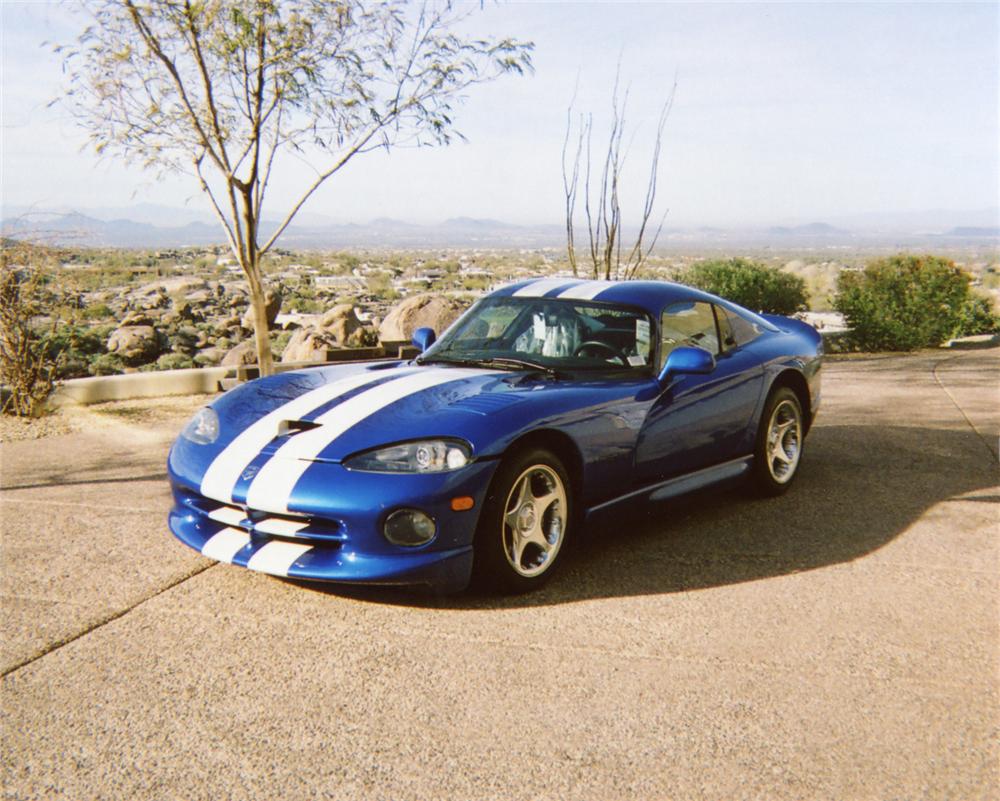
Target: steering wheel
(611, 350)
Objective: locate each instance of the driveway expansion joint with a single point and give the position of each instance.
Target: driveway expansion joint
(55, 646)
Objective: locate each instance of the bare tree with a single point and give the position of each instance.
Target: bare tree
(222, 89)
(609, 257)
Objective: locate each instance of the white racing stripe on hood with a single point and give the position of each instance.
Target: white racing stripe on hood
(224, 472)
(272, 487)
(538, 288)
(587, 290)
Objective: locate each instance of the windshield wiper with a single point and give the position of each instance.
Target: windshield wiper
(519, 364)
(500, 362)
(448, 360)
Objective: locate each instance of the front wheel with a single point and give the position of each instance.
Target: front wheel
(524, 523)
(779, 442)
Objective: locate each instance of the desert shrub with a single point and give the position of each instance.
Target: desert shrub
(978, 317)
(27, 369)
(74, 348)
(749, 283)
(99, 311)
(903, 302)
(279, 341)
(106, 364)
(169, 361)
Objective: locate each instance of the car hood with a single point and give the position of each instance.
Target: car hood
(271, 429)
(329, 414)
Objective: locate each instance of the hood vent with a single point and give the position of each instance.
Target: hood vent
(288, 428)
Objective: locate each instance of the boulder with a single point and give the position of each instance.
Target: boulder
(209, 357)
(136, 318)
(309, 345)
(272, 300)
(244, 353)
(434, 311)
(135, 344)
(342, 323)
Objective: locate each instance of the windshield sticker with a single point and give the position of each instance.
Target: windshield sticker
(642, 336)
(637, 361)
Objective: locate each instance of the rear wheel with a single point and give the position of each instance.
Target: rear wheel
(779, 442)
(523, 526)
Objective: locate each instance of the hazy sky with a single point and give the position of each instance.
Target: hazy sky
(784, 113)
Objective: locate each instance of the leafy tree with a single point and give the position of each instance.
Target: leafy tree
(903, 302)
(224, 89)
(751, 284)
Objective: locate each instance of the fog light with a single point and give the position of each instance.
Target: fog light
(409, 527)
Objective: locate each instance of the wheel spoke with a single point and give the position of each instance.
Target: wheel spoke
(517, 544)
(543, 502)
(782, 428)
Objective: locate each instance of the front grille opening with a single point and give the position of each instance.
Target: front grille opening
(295, 528)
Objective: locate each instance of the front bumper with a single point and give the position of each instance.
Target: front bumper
(333, 530)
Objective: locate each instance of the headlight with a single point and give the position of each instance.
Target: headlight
(423, 456)
(203, 428)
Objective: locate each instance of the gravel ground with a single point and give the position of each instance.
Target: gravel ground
(164, 411)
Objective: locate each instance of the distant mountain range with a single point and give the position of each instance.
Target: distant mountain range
(75, 228)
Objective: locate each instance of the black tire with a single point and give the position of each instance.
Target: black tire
(507, 556)
(778, 449)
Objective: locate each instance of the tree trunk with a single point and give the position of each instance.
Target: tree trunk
(258, 302)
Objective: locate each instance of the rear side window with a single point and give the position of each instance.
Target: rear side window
(726, 336)
(690, 325)
(742, 329)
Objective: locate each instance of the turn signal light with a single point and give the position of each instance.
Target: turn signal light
(462, 503)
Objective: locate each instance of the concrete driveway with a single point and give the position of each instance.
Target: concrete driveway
(839, 643)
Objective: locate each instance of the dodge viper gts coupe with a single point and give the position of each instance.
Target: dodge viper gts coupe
(547, 402)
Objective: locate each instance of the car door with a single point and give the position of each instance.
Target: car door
(699, 420)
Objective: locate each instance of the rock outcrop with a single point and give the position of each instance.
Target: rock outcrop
(244, 353)
(434, 311)
(309, 345)
(272, 300)
(135, 344)
(348, 331)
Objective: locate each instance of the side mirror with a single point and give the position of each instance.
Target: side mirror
(687, 360)
(423, 338)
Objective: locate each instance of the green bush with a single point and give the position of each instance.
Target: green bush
(106, 364)
(978, 317)
(169, 361)
(751, 284)
(75, 347)
(903, 302)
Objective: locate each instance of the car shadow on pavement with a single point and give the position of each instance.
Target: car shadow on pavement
(860, 486)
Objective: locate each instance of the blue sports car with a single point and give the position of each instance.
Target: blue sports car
(545, 403)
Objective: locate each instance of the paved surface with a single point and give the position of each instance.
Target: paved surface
(840, 642)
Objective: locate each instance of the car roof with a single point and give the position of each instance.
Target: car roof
(649, 295)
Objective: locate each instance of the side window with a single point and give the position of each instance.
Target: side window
(688, 324)
(743, 330)
(726, 335)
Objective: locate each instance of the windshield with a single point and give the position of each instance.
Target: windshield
(550, 334)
